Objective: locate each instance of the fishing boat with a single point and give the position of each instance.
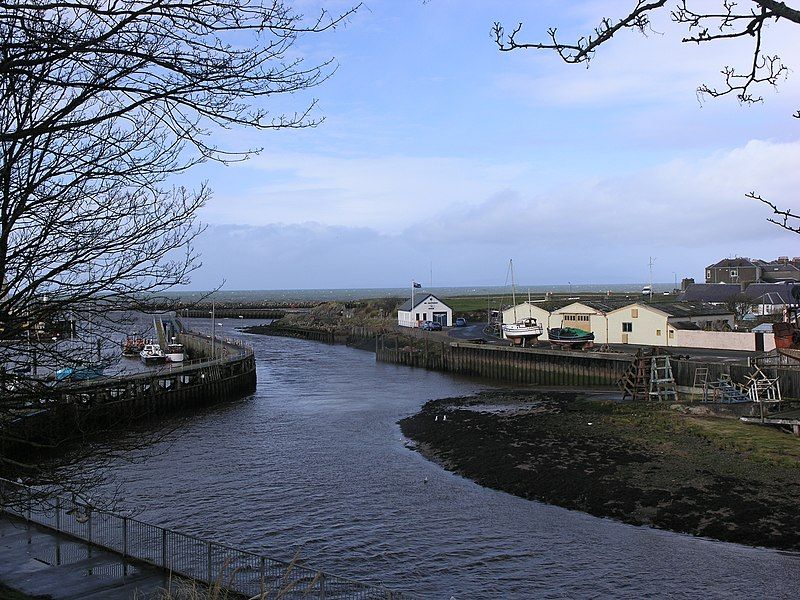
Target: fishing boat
(152, 354)
(523, 330)
(570, 336)
(133, 345)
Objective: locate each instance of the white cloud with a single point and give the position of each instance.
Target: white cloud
(688, 213)
(677, 203)
(386, 193)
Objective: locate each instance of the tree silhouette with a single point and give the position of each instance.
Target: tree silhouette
(101, 102)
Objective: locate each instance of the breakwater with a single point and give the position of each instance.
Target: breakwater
(225, 370)
(223, 312)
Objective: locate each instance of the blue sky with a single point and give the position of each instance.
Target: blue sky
(437, 148)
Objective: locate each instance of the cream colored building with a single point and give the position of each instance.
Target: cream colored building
(589, 316)
(656, 325)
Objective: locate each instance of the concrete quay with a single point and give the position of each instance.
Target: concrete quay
(40, 562)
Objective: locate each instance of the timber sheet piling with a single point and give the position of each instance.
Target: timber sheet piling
(515, 365)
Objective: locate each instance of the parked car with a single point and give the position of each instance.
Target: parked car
(461, 322)
(431, 326)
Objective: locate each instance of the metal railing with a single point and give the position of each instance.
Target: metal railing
(211, 563)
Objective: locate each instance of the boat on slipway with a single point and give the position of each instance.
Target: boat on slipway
(570, 337)
(525, 330)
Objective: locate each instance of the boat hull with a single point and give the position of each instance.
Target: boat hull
(526, 332)
(568, 336)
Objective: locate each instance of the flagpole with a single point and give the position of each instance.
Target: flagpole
(412, 297)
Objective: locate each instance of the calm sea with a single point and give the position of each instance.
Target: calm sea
(258, 296)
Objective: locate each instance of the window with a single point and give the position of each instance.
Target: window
(708, 273)
(671, 334)
(634, 313)
(584, 318)
(424, 316)
(734, 272)
(658, 332)
(569, 317)
(627, 327)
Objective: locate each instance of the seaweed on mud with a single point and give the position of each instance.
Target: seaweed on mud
(634, 463)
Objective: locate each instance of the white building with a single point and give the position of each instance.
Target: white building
(425, 307)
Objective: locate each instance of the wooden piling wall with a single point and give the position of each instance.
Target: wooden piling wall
(113, 402)
(538, 366)
(514, 365)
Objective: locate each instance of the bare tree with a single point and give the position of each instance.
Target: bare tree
(740, 305)
(101, 101)
(732, 20)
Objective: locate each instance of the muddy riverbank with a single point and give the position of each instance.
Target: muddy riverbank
(641, 464)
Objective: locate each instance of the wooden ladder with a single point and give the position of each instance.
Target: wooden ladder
(701, 380)
(662, 382)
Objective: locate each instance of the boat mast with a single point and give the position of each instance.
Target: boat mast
(513, 291)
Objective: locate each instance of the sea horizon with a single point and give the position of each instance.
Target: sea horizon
(343, 294)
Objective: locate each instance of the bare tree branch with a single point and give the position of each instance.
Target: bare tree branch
(784, 218)
(703, 26)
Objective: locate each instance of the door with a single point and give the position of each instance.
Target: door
(759, 342)
(624, 338)
(441, 318)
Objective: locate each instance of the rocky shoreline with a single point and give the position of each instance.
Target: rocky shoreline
(642, 464)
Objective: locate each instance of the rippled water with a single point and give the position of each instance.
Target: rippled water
(315, 459)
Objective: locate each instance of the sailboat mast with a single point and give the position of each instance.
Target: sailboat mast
(513, 290)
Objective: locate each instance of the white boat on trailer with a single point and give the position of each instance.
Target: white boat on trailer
(527, 328)
(523, 330)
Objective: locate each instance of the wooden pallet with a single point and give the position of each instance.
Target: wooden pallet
(636, 380)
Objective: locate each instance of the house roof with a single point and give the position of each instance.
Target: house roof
(727, 263)
(685, 325)
(774, 293)
(602, 307)
(406, 306)
(780, 271)
(709, 292)
(692, 309)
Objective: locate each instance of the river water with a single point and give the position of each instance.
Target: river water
(314, 460)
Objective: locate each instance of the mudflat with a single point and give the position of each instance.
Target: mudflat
(645, 464)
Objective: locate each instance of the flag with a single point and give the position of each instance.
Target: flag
(416, 285)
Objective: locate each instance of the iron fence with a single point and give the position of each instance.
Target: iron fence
(205, 561)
